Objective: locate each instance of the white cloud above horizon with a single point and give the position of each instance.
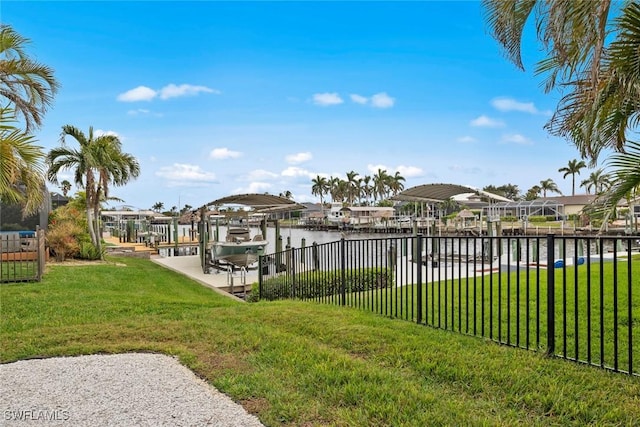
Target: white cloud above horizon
(224, 153)
(259, 175)
(485, 121)
(296, 172)
(505, 104)
(254, 187)
(379, 100)
(185, 175)
(144, 93)
(298, 158)
(326, 99)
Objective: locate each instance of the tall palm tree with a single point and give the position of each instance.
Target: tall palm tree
(65, 186)
(549, 185)
(157, 207)
(598, 180)
(396, 183)
(21, 167)
(352, 186)
(573, 167)
(28, 85)
(367, 188)
(98, 163)
(533, 193)
(320, 187)
(380, 184)
(591, 55)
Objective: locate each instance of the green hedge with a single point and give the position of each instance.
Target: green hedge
(318, 284)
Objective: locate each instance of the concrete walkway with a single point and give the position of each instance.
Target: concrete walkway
(226, 283)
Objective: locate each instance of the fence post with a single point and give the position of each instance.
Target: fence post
(551, 296)
(419, 278)
(260, 261)
(292, 270)
(343, 266)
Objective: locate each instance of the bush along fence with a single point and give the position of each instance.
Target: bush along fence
(576, 298)
(22, 256)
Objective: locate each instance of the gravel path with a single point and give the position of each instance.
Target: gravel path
(112, 390)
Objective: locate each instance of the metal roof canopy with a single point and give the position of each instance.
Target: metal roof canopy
(441, 192)
(257, 201)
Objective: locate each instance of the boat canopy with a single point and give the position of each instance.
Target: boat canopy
(440, 192)
(257, 201)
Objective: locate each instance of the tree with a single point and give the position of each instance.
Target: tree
(549, 185)
(28, 85)
(396, 183)
(65, 186)
(157, 207)
(380, 184)
(598, 180)
(320, 187)
(591, 56)
(352, 186)
(287, 194)
(573, 167)
(98, 163)
(533, 193)
(21, 167)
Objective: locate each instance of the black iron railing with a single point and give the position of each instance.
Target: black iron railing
(22, 256)
(577, 298)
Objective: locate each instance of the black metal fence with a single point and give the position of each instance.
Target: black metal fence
(22, 256)
(577, 298)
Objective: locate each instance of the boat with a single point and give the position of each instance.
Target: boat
(239, 248)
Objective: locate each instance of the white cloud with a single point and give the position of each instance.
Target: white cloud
(181, 174)
(374, 168)
(466, 139)
(484, 121)
(144, 93)
(140, 93)
(254, 187)
(224, 153)
(100, 132)
(326, 99)
(294, 171)
(508, 104)
(359, 99)
(298, 158)
(516, 139)
(409, 171)
(382, 100)
(175, 91)
(379, 100)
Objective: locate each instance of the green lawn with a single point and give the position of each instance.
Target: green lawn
(297, 363)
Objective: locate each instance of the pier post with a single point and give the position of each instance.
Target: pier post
(303, 247)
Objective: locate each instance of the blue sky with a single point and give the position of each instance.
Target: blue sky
(217, 98)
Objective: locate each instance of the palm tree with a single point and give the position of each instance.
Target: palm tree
(21, 167)
(573, 168)
(380, 184)
(352, 186)
(600, 82)
(396, 183)
(320, 187)
(28, 85)
(98, 163)
(549, 185)
(367, 188)
(533, 193)
(65, 186)
(157, 207)
(598, 180)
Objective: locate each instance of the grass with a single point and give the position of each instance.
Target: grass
(18, 270)
(295, 363)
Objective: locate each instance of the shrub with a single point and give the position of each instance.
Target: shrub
(317, 284)
(62, 239)
(537, 218)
